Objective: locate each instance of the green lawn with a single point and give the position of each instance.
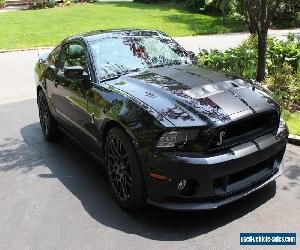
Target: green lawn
(46, 27)
(293, 121)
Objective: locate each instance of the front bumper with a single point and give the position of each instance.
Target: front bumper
(220, 178)
(215, 203)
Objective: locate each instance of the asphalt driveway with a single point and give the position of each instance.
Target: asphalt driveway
(53, 196)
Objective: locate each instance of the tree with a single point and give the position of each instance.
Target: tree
(259, 14)
(222, 7)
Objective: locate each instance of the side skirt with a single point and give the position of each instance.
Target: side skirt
(95, 157)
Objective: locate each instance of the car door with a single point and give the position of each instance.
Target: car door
(70, 95)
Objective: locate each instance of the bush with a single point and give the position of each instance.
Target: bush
(286, 87)
(51, 3)
(38, 4)
(2, 3)
(195, 5)
(214, 7)
(282, 66)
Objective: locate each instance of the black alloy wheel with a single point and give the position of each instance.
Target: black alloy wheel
(119, 169)
(124, 173)
(48, 124)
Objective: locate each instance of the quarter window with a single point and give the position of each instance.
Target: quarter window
(54, 55)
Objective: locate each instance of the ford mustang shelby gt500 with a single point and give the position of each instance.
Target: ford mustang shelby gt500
(169, 132)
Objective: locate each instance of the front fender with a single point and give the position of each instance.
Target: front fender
(143, 124)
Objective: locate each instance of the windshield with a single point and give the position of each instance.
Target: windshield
(116, 56)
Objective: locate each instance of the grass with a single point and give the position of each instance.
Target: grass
(293, 121)
(46, 27)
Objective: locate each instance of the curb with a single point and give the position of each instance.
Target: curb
(294, 139)
(25, 49)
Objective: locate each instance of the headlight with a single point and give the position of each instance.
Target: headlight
(282, 126)
(282, 131)
(176, 138)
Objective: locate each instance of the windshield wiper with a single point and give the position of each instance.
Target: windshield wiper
(132, 70)
(166, 64)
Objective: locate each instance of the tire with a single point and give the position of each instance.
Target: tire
(124, 173)
(47, 121)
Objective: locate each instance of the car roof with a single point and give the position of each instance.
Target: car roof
(95, 35)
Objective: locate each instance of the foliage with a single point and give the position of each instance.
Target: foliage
(40, 4)
(214, 6)
(286, 15)
(283, 66)
(51, 3)
(285, 87)
(195, 5)
(2, 3)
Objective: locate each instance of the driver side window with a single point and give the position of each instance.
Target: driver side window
(73, 55)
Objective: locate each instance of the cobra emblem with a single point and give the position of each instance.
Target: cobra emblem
(221, 138)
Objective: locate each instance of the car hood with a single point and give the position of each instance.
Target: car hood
(190, 95)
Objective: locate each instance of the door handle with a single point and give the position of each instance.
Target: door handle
(56, 82)
(93, 118)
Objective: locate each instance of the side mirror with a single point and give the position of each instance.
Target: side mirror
(75, 72)
(192, 56)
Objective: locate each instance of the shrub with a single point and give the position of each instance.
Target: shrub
(214, 6)
(195, 5)
(38, 4)
(286, 87)
(283, 66)
(2, 3)
(51, 3)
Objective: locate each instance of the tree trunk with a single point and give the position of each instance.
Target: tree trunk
(222, 7)
(262, 50)
(251, 26)
(250, 20)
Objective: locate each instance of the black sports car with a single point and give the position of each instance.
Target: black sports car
(169, 132)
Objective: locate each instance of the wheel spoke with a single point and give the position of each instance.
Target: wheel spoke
(43, 113)
(119, 169)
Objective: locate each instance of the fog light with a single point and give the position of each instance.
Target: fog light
(187, 187)
(181, 185)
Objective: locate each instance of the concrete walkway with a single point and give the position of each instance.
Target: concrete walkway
(16, 68)
(13, 8)
(17, 78)
(226, 41)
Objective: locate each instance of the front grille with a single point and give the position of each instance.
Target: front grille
(245, 130)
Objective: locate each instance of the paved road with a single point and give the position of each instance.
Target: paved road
(53, 196)
(16, 68)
